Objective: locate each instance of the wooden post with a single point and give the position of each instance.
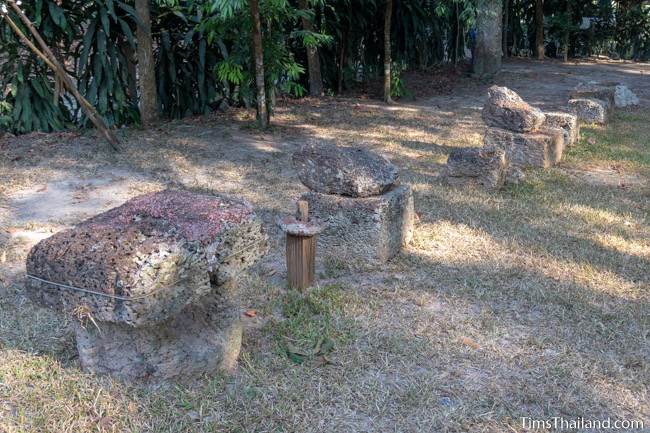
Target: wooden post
(303, 211)
(301, 253)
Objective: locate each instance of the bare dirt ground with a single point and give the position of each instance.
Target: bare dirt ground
(529, 302)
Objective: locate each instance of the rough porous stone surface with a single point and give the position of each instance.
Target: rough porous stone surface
(477, 166)
(515, 175)
(593, 90)
(372, 229)
(624, 97)
(533, 149)
(567, 122)
(505, 109)
(347, 171)
(557, 143)
(590, 110)
(163, 251)
(200, 339)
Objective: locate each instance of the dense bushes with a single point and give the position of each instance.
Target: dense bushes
(204, 59)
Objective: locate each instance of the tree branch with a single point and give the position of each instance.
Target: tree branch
(50, 59)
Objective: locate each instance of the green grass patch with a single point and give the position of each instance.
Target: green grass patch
(626, 140)
(334, 267)
(313, 324)
(528, 188)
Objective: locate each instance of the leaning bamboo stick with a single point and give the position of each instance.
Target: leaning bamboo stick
(50, 59)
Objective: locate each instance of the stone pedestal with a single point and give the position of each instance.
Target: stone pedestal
(364, 229)
(152, 283)
(590, 110)
(477, 167)
(601, 91)
(531, 149)
(505, 109)
(624, 97)
(565, 121)
(201, 338)
(348, 171)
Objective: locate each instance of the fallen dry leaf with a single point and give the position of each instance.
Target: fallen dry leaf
(469, 342)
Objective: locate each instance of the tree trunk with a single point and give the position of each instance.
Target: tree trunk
(457, 36)
(539, 29)
(258, 53)
(132, 68)
(313, 59)
(487, 52)
(146, 65)
(342, 50)
(515, 27)
(567, 31)
(504, 38)
(387, 57)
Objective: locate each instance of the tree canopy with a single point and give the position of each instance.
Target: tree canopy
(204, 53)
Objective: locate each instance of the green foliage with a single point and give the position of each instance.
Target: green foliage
(185, 62)
(103, 65)
(423, 33)
(228, 27)
(26, 84)
(398, 88)
(313, 323)
(35, 107)
(88, 35)
(633, 32)
(203, 49)
(5, 115)
(312, 39)
(230, 72)
(610, 28)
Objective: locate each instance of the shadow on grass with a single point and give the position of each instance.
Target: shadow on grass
(536, 346)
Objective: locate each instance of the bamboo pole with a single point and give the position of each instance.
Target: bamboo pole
(27, 42)
(50, 59)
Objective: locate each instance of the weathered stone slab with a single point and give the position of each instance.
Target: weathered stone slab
(505, 109)
(200, 339)
(557, 143)
(590, 110)
(533, 149)
(592, 90)
(565, 121)
(347, 171)
(147, 259)
(477, 166)
(624, 97)
(371, 229)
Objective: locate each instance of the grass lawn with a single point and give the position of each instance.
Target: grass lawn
(529, 302)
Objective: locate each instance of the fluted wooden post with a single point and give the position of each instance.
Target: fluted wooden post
(302, 237)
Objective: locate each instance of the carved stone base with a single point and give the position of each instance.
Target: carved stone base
(201, 339)
(370, 229)
(542, 148)
(477, 167)
(567, 122)
(590, 110)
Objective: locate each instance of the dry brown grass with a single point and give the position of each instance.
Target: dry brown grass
(533, 301)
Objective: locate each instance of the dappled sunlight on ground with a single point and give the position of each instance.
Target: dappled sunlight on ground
(635, 247)
(531, 301)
